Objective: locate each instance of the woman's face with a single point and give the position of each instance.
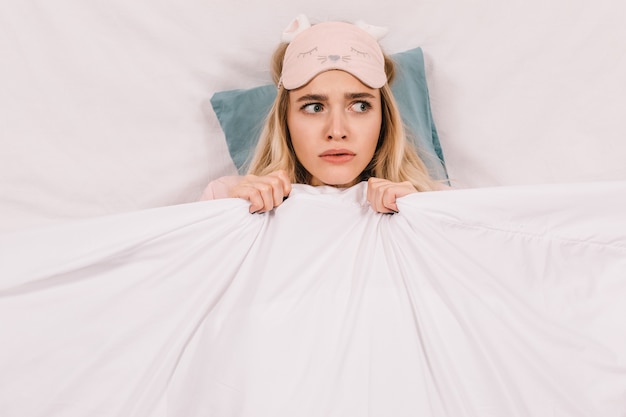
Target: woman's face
(334, 122)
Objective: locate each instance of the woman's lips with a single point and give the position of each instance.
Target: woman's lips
(337, 156)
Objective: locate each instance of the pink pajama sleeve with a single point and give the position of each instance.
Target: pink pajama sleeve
(219, 188)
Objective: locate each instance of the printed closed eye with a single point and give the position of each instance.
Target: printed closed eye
(307, 53)
(359, 53)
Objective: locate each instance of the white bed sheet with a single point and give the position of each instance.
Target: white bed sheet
(484, 302)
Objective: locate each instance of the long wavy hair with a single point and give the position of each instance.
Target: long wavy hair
(395, 158)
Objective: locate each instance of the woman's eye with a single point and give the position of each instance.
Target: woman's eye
(312, 108)
(361, 106)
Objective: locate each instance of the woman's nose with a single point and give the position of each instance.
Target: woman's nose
(337, 128)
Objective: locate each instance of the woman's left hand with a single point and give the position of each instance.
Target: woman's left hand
(382, 194)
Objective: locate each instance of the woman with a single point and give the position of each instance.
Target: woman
(334, 123)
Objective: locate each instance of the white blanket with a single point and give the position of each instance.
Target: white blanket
(486, 302)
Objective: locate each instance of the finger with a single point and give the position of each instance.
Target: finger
(285, 181)
(372, 185)
(388, 199)
(259, 191)
(277, 190)
(266, 192)
(385, 203)
(398, 190)
(375, 193)
(253, 196)
(379, 204)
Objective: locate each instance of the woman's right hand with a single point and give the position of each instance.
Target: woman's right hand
(263, 192)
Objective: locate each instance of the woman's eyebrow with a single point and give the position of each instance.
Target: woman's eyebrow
(353, 96)
(313, 97)
(323, 97)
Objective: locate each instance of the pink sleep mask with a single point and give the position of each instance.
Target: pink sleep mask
(332, 46)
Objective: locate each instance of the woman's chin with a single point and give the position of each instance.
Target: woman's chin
(336, 182)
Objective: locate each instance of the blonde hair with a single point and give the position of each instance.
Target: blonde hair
(395, 158)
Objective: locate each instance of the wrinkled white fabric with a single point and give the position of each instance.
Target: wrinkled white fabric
(486, 302)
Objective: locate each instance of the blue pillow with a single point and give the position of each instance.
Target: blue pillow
(242, 113)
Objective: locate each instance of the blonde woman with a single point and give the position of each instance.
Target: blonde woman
(334, 123)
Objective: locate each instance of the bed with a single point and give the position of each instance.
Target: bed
(122, 295)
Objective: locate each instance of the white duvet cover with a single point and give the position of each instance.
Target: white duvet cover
(502, 301)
